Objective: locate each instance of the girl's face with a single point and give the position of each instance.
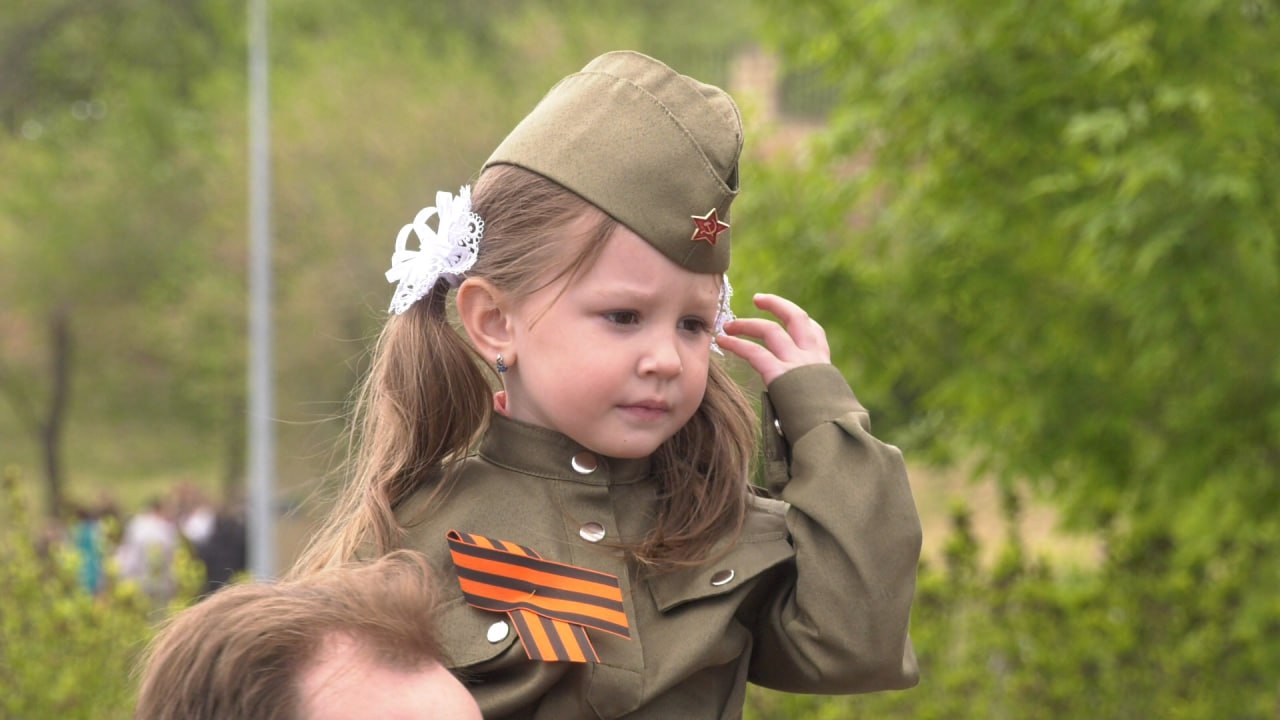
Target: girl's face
(618, 362)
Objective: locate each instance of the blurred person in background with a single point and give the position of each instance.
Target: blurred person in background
(216, 534)
(193, 512)
(223, 550)
(88, 541)
(147, 551)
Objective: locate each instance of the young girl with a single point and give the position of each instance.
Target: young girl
(592, 524)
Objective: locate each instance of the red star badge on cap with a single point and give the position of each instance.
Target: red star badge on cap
(708, 227)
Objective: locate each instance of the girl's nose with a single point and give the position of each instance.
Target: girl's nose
(661, 357)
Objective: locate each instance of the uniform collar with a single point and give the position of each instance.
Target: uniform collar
(540, 452)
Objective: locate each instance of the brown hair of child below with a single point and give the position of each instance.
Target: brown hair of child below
(241, 652)
(428, 395)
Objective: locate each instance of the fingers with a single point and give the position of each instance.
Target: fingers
(757, 356)
(798, 339)
(792, 341)
(778, 340)
(806, 332)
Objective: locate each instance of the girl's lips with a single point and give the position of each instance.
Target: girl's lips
(646, 410)
(650, 405)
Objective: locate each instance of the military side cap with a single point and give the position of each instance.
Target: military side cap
(656, 150)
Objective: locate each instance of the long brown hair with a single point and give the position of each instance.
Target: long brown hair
(427, 397)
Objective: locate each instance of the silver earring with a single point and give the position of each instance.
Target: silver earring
(501, 365)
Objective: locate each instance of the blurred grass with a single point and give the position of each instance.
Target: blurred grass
(128, 465)
(937, 492)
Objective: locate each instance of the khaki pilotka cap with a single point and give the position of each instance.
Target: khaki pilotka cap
(652, 148)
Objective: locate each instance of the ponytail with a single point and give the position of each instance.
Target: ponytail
(419, 410)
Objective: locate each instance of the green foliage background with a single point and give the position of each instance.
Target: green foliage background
(1064, 238)
(65, 653)
(1042, 237)
(1145, 635)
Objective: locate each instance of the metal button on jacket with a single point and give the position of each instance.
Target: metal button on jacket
(584, 463)
(722, 577)
(497, 632)
(591, 532)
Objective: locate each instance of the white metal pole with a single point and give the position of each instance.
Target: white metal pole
(261, 440)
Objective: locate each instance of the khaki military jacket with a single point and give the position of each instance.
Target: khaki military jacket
(814, 596)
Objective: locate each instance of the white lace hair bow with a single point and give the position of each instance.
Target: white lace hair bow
(724, 314)
(447, 252)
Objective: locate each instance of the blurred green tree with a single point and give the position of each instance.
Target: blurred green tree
(1048, 235)
(105, 141)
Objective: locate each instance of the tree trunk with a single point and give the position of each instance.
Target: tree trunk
(59, 396)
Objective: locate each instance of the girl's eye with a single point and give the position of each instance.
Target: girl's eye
(694, 325)
(622, 317)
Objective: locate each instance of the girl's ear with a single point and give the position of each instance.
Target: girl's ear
(482, 309)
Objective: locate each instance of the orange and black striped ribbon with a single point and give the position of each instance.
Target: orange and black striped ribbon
(550, 604)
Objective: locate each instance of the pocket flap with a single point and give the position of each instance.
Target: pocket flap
(472, 636)
(764, 543)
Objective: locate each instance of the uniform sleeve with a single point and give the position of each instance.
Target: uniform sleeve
(838, 622)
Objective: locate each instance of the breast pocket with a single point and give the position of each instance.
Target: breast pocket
(708, 615)
(474, 639)
(725, 574)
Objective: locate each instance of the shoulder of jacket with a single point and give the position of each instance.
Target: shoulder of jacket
(765, 515)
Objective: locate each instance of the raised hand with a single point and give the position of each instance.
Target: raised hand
(793, 340)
